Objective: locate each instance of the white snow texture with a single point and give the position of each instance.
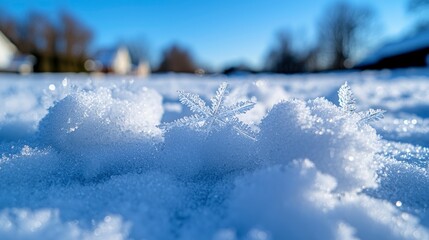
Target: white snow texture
(109, 159)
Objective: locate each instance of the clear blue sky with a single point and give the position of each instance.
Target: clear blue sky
(218, 32)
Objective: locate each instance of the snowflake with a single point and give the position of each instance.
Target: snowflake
(209, 119)
(347, 103)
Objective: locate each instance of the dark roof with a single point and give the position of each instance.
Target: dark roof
(406, 45)
(106, 56)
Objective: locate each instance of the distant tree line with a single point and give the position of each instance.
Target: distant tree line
(62, 44)
(177, 59)
(59, 45)
(342, 31)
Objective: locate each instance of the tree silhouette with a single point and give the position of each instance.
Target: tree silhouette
(177, 59)
(58, 46)
(9, 26)
(73, 43)
(40, 40)
(283, 57)
(421, 9)
(344, 29)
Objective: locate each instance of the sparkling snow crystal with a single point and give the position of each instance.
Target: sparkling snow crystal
(347, 103)
(213, 118)
(346, 99)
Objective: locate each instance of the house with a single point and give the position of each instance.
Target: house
(142, 69)
(7, 51)
(115, 60)
(11, 60)
(412, 51)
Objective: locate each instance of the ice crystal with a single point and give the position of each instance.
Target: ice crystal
(346, 99)
(212, 118)
(347, 103)
(370, 116)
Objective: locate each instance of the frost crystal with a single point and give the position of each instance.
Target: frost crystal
(370, 116)
(347, 103)
(346, 99)
(212, 118)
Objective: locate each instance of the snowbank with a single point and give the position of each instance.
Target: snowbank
(98, 166)
(319, 131)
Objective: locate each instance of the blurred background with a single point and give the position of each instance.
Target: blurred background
(139, 37)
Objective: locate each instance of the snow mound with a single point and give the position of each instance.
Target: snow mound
(320, 131)
(301, 197)
(100, 131)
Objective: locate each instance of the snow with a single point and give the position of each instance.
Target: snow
(84, 157)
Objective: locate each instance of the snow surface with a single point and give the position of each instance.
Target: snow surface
(83, 157)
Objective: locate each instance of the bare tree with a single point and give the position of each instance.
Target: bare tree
(177, 59)
(421, 9)
(9, 26)
(284, 57)
(39, 39)
(57, 47)
(343, 31)
(73, 44)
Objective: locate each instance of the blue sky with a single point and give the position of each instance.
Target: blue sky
(219, 32)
